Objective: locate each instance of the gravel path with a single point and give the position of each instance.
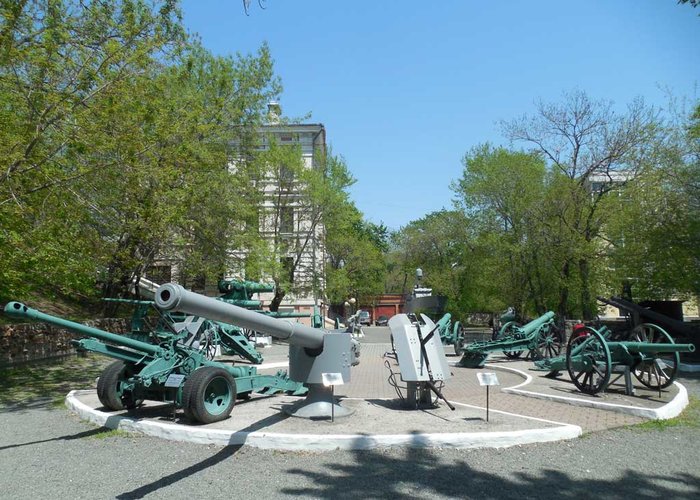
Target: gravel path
(49, 453)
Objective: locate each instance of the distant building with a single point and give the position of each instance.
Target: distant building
(282, 197)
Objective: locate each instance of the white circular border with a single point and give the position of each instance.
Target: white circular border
(322, 442)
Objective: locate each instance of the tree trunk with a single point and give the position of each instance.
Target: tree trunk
(585, 271)
(564, 292)
(277, 299)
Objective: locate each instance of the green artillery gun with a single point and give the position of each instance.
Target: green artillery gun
(208, 336)
(450, 333)
(171, 370)
(541, 336)
(591, 358)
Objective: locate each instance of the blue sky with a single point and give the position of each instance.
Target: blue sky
(405, 88)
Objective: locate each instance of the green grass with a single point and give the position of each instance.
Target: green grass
(48, 382)
(111, 433)
(689, 418)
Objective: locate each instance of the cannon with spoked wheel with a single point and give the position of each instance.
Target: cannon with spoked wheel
(651, 355)
(541, 336)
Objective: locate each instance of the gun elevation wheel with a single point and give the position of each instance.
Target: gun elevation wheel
(111, 387)
(209, 394)
(588, 362)
(652, 371)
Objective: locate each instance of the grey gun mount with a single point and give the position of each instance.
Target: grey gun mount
(421, 358)
(312, 352)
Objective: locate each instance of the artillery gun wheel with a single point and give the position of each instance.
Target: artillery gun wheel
(110, 387)
(458, 336)
(509, 330)
(588, 362)
(649, 372)
(550, 340)
(209, 394)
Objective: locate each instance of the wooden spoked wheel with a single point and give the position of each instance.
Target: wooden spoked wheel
(588, 362)
(653, 371)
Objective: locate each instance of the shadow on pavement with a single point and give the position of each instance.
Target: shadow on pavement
(419, 473)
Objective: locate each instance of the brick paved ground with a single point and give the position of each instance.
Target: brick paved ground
(369, 379)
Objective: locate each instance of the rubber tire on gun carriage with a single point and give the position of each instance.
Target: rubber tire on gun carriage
(111, 385)
(209, 394)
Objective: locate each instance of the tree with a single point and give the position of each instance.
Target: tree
(653, 229)
(117, 144)
(300, 202)
(438, 244)
(57, 59)
(506, 194)
(596, 151)
(355, 265)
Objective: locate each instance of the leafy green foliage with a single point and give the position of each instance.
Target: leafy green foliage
(115, 140)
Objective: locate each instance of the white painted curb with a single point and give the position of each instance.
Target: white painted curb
(319, 442)
(689, 368)
(671, 409)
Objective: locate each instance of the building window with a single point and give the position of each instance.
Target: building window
(286, 220)
(288, 268)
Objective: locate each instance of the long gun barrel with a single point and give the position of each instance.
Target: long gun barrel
(678, 327)
(651, 348)
(172, 297)
(19, 310)
(533, 325)
(250, 287)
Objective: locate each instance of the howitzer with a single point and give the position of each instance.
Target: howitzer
(591, 358)
(643, 314)
(541, 336)
(558, 363)
(172, 370)
(313, 352)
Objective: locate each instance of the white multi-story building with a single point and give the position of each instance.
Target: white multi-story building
(287, 221)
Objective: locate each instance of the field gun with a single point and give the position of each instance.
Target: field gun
(642, 314)
(591, 358)
(450, 333)
(314, 354)
(541, 336)
(172, 370)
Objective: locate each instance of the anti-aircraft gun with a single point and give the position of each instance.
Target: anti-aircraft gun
(315, 355)
(171, 370)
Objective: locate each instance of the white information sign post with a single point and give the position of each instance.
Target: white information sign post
(488, 379)
(331, 380)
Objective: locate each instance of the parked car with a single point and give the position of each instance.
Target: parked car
(364, 318)
(382, 321)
